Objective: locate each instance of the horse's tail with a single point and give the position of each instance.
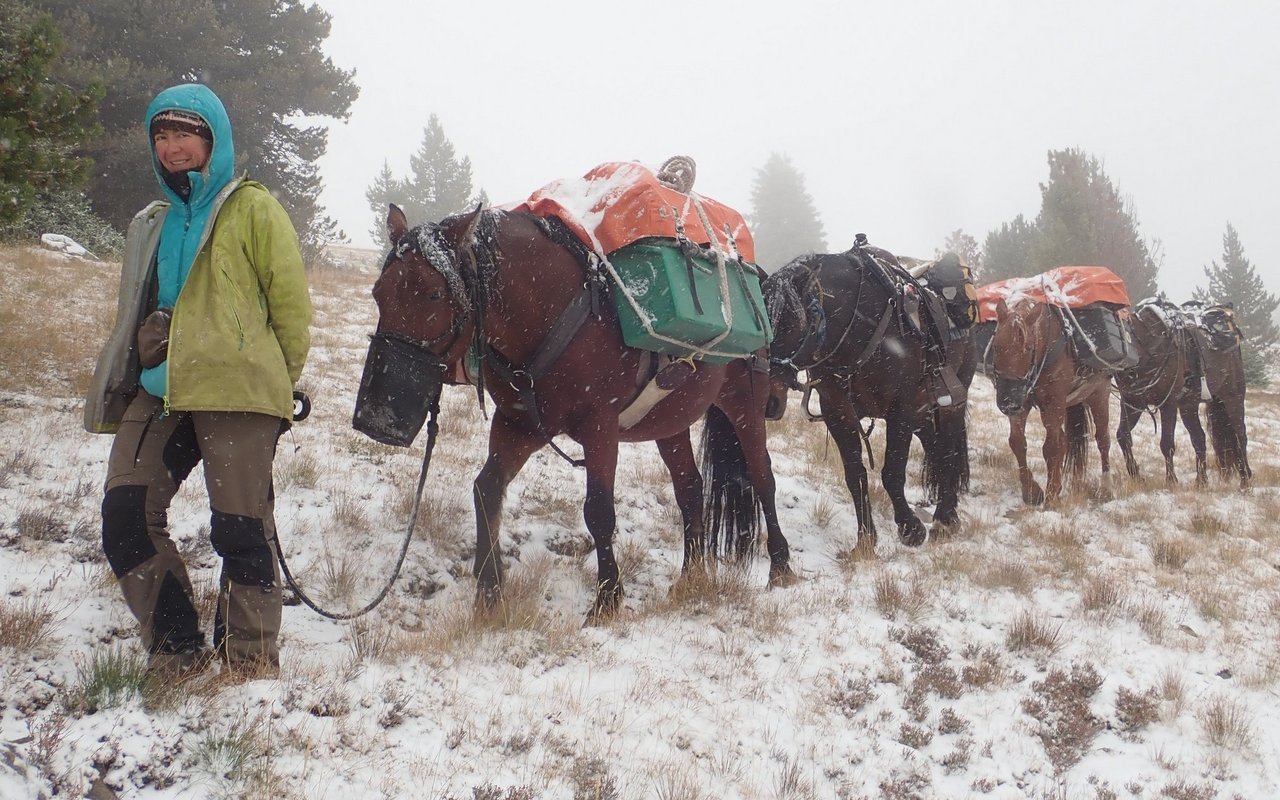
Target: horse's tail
(730, 508)
(946, 457)
(1077, 430)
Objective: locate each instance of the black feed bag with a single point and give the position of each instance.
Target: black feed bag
(400, 385)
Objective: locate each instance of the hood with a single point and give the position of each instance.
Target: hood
(199, 99)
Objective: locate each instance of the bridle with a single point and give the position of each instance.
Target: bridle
(427, 242)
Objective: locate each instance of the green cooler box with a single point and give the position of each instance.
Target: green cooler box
(657, 276)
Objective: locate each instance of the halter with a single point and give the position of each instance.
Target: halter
(1029, 379)
(427, 242)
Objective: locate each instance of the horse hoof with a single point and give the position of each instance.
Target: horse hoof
(913, 533)
(944, 529)
(608, 604)
(1033, 497)
(488, 600)
(782, 577)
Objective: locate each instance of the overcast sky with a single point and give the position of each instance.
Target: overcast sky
(907, 119)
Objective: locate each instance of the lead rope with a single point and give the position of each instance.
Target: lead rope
(432, 429)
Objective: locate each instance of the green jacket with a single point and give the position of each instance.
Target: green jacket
(241, 326)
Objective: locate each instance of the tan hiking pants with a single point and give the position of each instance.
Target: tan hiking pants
(152, 454)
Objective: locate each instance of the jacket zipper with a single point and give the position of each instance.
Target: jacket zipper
(186, 229)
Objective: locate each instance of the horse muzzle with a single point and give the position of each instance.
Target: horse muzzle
(1011, 394)
(401, 383)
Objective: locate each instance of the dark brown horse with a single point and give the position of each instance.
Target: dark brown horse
(553, 362)
(1034, 366)
(845, 321)
(1217, 380)
(1158, 382)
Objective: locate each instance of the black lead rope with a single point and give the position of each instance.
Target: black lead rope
(432, 428)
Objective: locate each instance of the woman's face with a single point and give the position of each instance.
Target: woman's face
(180, 151)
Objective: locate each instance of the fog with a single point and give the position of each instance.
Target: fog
(908, 120)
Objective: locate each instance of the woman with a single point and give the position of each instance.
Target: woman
(211, 335)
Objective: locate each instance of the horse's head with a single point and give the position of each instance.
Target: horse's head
(1020, 345)
(426, 313)
(793, 301)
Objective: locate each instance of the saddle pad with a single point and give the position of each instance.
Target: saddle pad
(619, 203)
(1068, 287)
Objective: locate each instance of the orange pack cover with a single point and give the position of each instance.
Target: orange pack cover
(618, 203)
(1069, 287)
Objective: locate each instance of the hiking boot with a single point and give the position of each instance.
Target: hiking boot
(181, 664)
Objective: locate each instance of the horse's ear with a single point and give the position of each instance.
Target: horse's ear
(1002, 310)
(397, 225)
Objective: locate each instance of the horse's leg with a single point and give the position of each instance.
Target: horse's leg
(844, 426)
(686, 481)
(509, 449)
(1129, 416)
(897, 445)
(1032, 494)
(1168, 444)
(1189, 410)
(1100, 406)
(1234, 410)
(1054, 450)
(943, 467)
(601, 454)
(748, 423)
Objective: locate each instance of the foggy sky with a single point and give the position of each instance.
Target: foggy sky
(907, 119)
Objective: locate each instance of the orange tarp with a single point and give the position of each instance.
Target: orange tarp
(1068, 287)
(618, 203)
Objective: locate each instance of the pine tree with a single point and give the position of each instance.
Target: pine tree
(42, 124)
(1007, 253)
(1083, 220)
(385, 189)
(262, 57)
(1236, 282)
(438, 184)
(965, 246)
(784, 221)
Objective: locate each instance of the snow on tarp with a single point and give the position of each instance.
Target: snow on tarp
(1068, 287)
(618, 203)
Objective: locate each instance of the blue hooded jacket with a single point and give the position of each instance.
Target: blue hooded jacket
(189, 221)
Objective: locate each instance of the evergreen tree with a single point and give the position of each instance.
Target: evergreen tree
(439, 184)
(1236, 282)
(965, 246)
(262, 57)
(784, 221)
(1084, 220)
(1007, 252)
(41, 123)
(385, 189)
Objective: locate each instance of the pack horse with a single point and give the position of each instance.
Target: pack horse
(531, 305)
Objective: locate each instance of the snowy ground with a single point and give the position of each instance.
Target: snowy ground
(1120, 648)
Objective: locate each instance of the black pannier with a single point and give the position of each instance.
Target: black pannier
(1102, 338)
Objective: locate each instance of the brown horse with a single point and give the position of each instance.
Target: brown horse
(1217, 380)
(1033, 366)
(505, 285)
(844, 320)
(1158, 382)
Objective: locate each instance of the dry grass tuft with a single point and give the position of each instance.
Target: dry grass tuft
(1030, 631)
(896, 597)
(25, 624)
(1227, 722)
(1102, 594)
(1172, 552)
(714, 585)
(1207, 523)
